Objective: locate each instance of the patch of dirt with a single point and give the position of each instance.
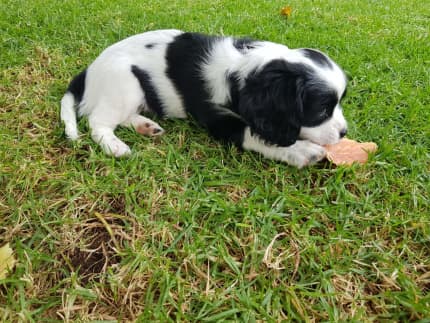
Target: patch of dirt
(93, 247)
(95, 257)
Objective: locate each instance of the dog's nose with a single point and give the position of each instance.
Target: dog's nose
(343, 132)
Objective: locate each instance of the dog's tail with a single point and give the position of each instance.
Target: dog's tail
(69, 102)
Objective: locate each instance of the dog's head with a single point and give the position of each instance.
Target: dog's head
(296, 97)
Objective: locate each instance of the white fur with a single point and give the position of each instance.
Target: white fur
(221, 58)
(263, 53)
(112, 93)
(301, 153)
(68, 115)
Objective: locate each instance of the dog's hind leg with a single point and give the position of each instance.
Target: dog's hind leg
(144, 126)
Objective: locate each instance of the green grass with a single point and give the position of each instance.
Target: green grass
(182, 230)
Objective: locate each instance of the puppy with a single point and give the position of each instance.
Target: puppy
(261, 96)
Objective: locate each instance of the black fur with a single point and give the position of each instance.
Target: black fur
(319, 103)
(77, 86)
(281, 98)
(317, 57)
(184, 57)
(244, 44)
(151, 94)
(234, 85)
(271, 102)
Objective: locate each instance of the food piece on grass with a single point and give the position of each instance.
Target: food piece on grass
(347, 151)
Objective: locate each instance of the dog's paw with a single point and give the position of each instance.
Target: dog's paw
(116, 147)
(304, 153)
(72, 133)
(149, 128)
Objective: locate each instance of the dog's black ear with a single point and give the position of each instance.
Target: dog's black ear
(271, 102)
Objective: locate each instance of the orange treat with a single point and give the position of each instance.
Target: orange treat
(347, 151)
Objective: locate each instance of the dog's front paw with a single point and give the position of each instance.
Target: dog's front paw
(304, 153)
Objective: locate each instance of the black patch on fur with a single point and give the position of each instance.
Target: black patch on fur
(151, 95)
(319, 102)
(281, 98)
(317, 57)
(234, 84)
(150, 45)
(185, 55)
(77, 86)
(268, 103)
(244, 44)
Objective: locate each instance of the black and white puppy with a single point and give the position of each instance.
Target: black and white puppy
(261, 96)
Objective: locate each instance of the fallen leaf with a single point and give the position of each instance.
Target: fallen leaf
(347, 151)
(286, 11)
(7, 260)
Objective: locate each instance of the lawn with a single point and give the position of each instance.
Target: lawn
(188, 230)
